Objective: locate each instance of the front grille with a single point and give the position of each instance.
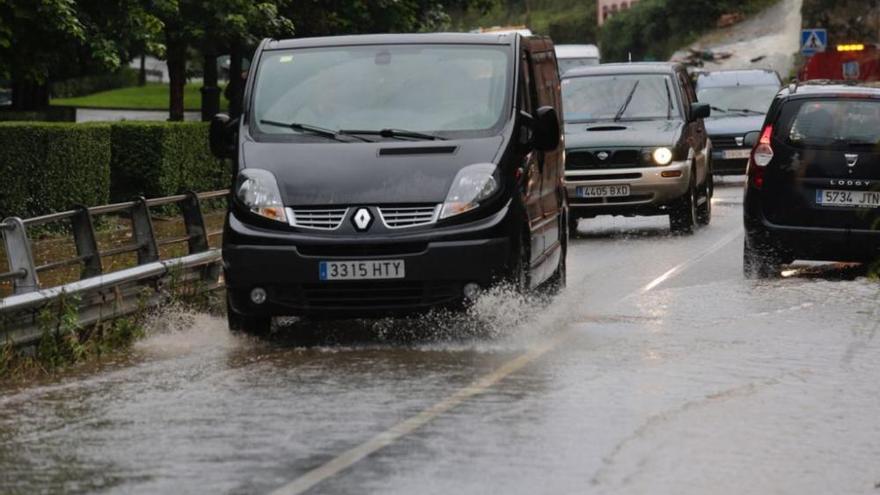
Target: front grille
(636, 198)
(408, 216)
(725, 142)
(590, 160)
(369, 296)
(317, 218)
(361, 250)
(579, 178)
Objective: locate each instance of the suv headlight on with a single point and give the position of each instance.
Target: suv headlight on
(258, 191)
(472, 185)
(658, 156)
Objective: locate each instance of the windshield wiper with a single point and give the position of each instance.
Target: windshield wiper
(320, 131)
(393, 133)
(745, 110)
(718, 109)
(629, 98)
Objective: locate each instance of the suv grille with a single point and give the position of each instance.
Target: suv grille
(317, 218)
(589, 159)
(408, 216)
(725, 142)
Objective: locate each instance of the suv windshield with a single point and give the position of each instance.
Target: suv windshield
(830, 123)
(619, 97)
(727, 101)
(414, 88)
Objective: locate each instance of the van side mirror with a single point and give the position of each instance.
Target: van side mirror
(751, 139)
(700, 111)
(221, 136)
(546, 132)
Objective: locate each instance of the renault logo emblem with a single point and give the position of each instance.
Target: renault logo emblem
(602, 155)
(362, 219)
(851, 159)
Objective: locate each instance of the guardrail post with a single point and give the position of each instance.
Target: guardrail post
(195, 223)
(21, 259)
(86, 243)
(142, 227)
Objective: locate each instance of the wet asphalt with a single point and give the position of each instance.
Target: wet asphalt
(660, 370)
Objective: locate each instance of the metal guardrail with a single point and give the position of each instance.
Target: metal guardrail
(103, 296)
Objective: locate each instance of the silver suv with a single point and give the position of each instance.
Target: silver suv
(636, 144)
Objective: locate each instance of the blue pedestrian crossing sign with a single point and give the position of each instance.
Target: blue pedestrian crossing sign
(813, 41)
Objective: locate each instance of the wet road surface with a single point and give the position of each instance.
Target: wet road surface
(659, 370)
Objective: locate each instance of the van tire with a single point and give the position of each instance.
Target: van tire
(683, 213)
(557, 281)
(255, 325)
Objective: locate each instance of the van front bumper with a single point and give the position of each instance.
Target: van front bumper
(438, 263)
(650, 191)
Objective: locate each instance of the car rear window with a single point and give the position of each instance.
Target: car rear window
(831, 123)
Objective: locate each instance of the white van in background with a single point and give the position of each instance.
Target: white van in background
(571, 56)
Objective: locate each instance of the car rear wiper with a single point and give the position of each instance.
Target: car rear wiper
(629, 98)
(719, 109)
(393, 133)
(320, 131)
(745, 110)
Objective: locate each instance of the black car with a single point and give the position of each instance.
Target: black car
(813, 188)
(636, 145)
(388, 174)
(739, 101)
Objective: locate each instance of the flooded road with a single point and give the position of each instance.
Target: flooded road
(659, 370)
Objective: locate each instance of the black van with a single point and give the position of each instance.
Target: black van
(813, 189)
(389, 174)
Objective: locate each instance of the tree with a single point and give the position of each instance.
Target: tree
(46, 40)
(210, 25)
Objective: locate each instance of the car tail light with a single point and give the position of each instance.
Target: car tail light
(761, 157)
(764, 152)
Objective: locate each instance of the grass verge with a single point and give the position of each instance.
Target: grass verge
(153, 96)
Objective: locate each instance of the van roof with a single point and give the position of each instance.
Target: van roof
(577, 51)
(740, 77)
(623, 68)
(394, 39)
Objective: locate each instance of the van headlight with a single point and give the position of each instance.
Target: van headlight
(258, 191)
(472, 185)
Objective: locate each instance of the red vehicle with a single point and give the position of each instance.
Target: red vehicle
(856, 62)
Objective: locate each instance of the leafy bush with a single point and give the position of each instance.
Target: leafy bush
(86, 85)
(49, 167)
(653, 29)
(162, 158)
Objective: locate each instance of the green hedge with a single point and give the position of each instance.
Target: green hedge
(49, 114)
(160, 159)
(50, 167)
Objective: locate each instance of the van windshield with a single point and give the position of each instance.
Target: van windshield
(618, 97)
(458, 90)
(833, 123)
